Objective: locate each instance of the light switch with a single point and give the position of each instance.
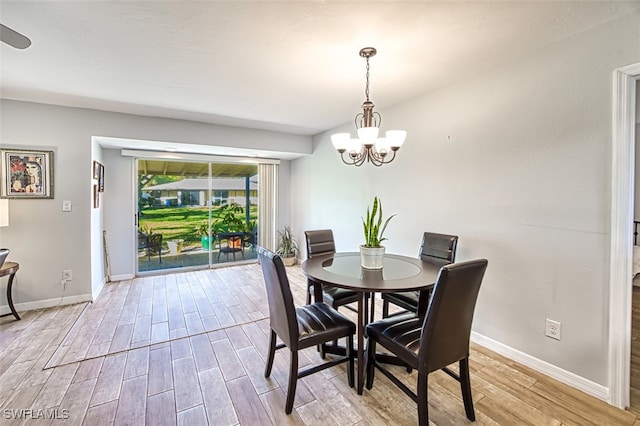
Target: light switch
(66, 206)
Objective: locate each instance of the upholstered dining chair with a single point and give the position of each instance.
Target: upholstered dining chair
(437, 249)
(4, 253)
(436, 340)
(320, 242)
(300, 327)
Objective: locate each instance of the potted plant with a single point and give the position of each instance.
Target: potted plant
(372, 252)
(203, 231)
(228, 220)
(287, 247)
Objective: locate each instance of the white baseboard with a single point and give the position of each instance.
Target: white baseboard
(564, 376)
(96, 291)
(48, 303)
(122, 277)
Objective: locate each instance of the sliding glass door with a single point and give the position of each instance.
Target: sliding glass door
(193, 214)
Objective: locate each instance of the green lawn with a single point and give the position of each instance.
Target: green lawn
(181, 222)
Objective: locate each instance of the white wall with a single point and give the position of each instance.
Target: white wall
(636, 215)
(524, 182)
(44, 240)
(98, 273)
(119, 206)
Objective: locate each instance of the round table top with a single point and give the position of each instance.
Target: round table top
(9, 268)
(399, 273)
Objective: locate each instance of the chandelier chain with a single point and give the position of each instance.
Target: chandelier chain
(366, 89)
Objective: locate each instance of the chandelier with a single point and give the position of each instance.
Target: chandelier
(368, 147)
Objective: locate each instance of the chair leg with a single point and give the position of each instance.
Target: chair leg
(385, 308)
(366, 308)
(351, 355)
(373, 306)
(465, 385)
(272, 352)
(309, 289)
(371, 359)
(293, 380)
(423, 399)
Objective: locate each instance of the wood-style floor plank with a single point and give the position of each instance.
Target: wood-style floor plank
(190, 348)
(132, 403)
(247, 402)
(217, 400)
(161, 409)
(160, 378)
(186, 385)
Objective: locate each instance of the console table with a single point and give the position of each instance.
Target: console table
(10, 268)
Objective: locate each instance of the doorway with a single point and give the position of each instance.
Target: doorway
(194, 214)
(622, 188)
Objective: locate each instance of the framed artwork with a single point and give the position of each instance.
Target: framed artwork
(96, 170)
(101, 178)
(96, 197)
(26, 173)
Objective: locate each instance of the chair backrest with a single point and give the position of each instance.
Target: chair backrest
(438, 249)
(319, 242)
(3, 255)
(282, 312)
(447, 326)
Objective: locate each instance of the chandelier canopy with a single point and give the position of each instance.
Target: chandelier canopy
(368, 147)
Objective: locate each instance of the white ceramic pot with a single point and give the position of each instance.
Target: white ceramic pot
(175, 246)
(372, 257)
(289, 261)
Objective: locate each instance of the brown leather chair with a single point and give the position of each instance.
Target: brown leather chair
(437, 249)
(300, 327)
(320, 242)
(433, 342)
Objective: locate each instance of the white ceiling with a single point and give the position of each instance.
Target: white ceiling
(285, 66)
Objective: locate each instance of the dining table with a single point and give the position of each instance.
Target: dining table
(344, 270)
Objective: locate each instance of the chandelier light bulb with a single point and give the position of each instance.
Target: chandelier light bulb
(340, 141)
(382, 146)
(368, 135)
(396, 138)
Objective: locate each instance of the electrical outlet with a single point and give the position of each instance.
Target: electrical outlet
(553, 329)
(67, 275)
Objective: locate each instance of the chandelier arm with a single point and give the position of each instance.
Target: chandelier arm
(360, 159)
(379, 120)
(342, 158)
(376, 159)
(392, 157)
(383, 159)
(348, 163)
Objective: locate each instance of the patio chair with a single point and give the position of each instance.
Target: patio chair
(152, 243)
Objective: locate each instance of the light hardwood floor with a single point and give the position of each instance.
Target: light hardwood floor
(189, 348)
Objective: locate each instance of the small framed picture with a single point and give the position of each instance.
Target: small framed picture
(101, 179)
(96, 197)
(26, 173)
(96, 170)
